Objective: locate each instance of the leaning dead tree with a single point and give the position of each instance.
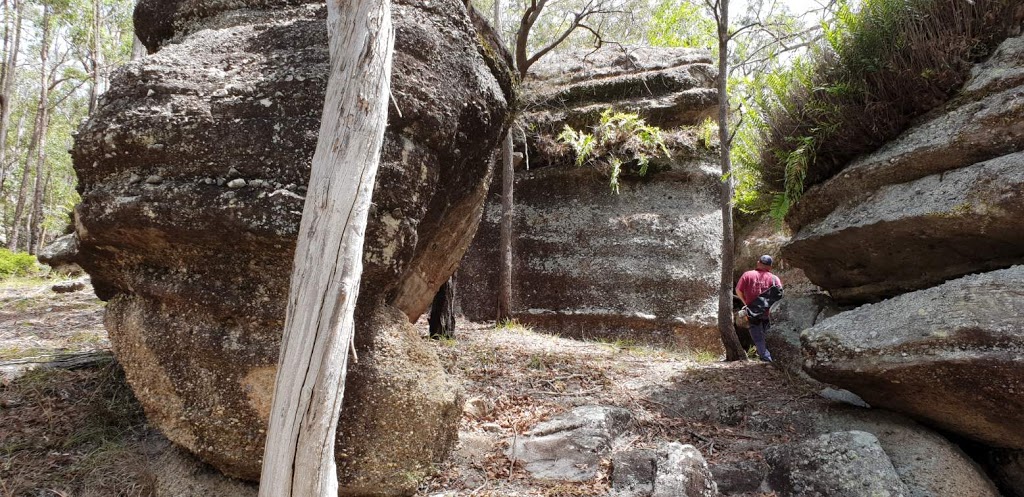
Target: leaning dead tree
(299, 456)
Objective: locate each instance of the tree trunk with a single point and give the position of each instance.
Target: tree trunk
(26, 175)
(505, 241)
(442, 311)
(299, 457)
(43, 122)
(733, 350)
(7, 89)
(97, 58)
(138, 49)
(37, 196)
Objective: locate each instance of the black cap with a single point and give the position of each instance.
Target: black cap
(766, 260)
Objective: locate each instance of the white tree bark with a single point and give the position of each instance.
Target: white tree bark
(299, 456)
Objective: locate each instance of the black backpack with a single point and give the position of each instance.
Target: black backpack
(758, 309)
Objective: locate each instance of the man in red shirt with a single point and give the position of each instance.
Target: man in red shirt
(750, 286)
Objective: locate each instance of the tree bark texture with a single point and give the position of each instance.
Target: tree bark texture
(505, 240)
(36, 220)
(442, 311)
(733, 350)
(97, 57)
(319, 325)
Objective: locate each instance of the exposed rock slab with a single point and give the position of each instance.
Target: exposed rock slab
(927, 463)
(914, 235)
(192, 175)
(985, 122)
(674, 470)
(949, 355)
(683, 472)
(840, 464)
(588, 262)
(570, 447)
(669, 87)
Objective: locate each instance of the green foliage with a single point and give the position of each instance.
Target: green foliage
(879, 67)
(619, 140)
(16, 264)
(681, 23)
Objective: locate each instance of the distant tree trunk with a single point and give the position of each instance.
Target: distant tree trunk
(505, 241)
(38, 135)
(44, 123)
(97, 57)
(38, 228)
(507, 205)
(138, 49)
(299, 457)
(733, 349)
(7, 88)
(6, 172)
(442, 311)
(36, 219)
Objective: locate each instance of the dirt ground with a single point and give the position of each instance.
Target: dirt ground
(81, 433)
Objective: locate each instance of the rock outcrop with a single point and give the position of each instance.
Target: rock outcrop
(941, 201)
(192, 174)
(840, 464)
(929, 231)
(949, 355)
(589, 262)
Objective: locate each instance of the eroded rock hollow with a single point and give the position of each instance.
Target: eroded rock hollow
(192, 176)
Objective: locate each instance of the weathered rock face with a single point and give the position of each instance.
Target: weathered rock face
(192, 175)
(589, 262)
(941, 201)
(949, 355)
(837, 464)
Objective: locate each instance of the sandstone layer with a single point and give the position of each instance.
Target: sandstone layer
(588, 262)
(949, 355)
(940, 201)
(192, 175)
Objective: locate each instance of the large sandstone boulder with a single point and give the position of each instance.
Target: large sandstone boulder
(940, 201)
(192, 175)
(949, 355)
(840, 464)
(589, 262)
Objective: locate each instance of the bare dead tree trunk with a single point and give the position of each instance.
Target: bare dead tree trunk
(442, 311)
(299, 457)
(733, 349)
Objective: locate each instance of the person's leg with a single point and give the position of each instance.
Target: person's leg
(757, 332)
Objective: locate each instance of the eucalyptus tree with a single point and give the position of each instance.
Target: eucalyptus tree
(769, 32)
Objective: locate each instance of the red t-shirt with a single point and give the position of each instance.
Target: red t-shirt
(755, 281)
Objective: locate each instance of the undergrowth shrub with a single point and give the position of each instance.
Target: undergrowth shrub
(879, 68)
(16, 263)
(619, 140)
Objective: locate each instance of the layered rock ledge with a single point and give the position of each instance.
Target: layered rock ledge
(949, 355)
(940, 201)
(588, 262)
(192, 175)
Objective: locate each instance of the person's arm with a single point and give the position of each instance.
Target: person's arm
(739, 284)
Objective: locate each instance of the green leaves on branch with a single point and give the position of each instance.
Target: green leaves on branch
(619, 140)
